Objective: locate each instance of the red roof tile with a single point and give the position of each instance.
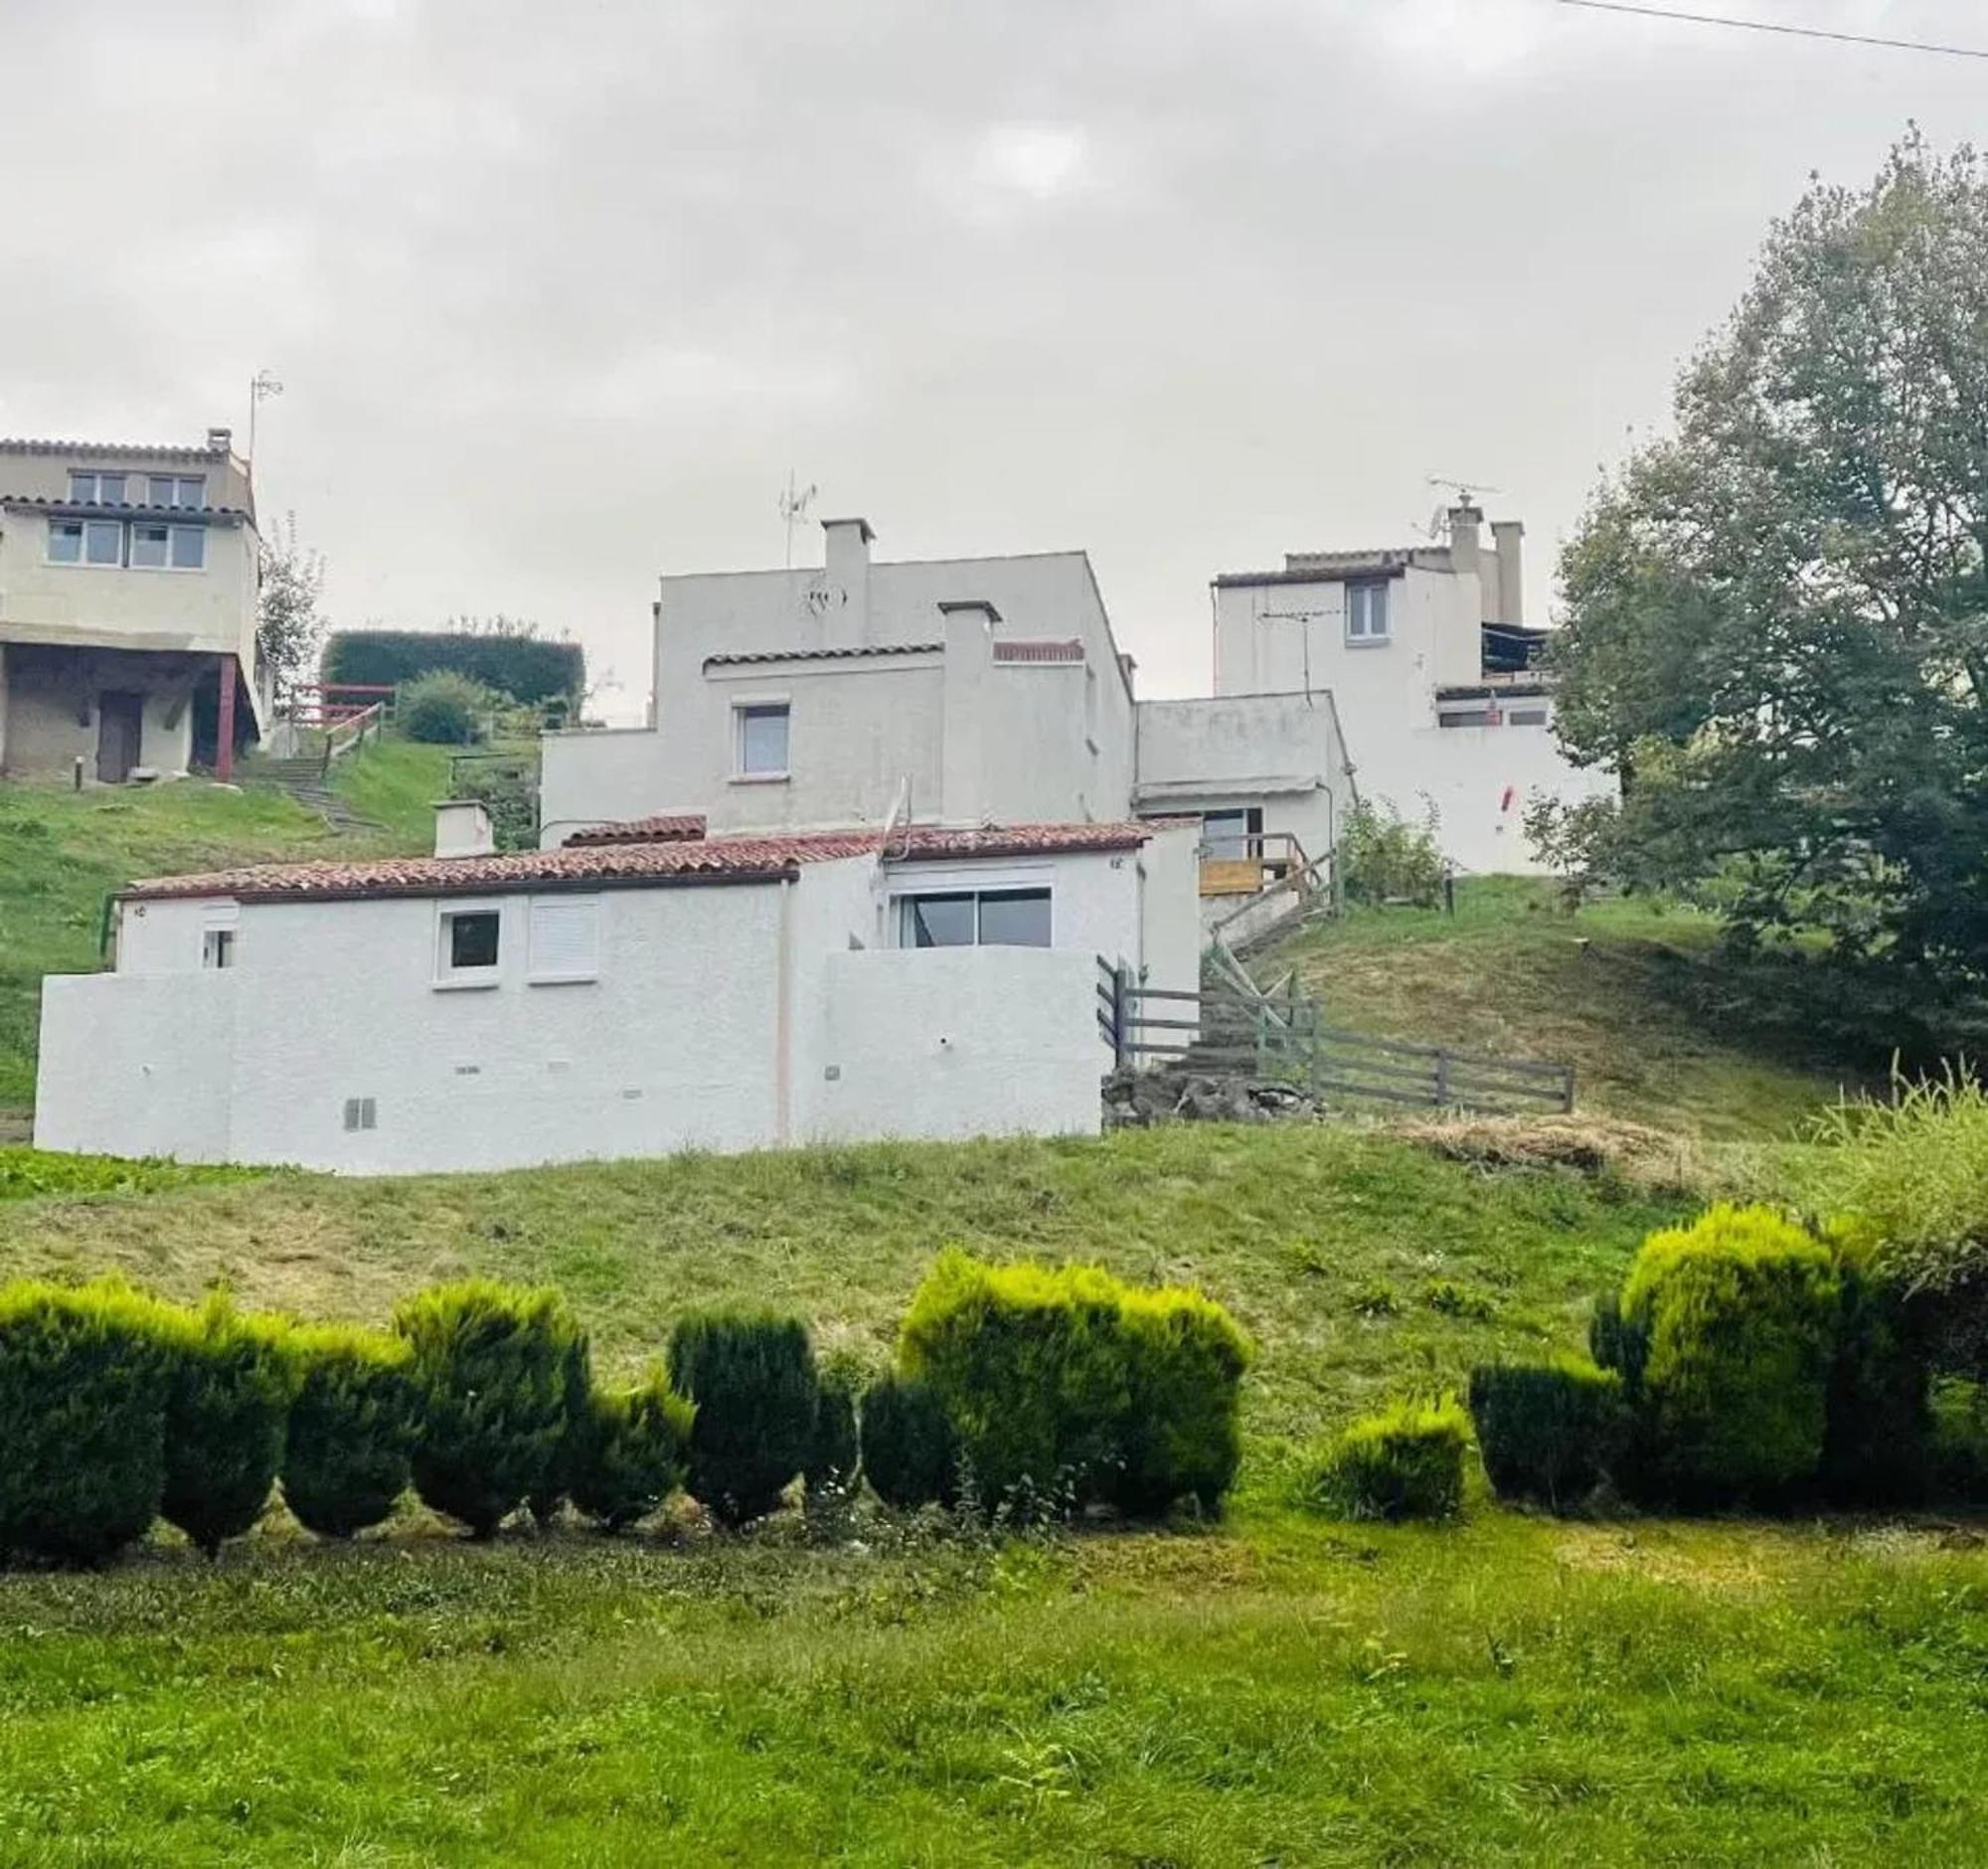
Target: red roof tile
(664, 828)
(761, 859)
(1038, 650)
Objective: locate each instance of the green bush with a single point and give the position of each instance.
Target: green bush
(835, 1452)
(630, 1451)
(751, 1375)
(441, 709)
(910, 1454)
(1404, 1463)
(1877, 1437)
(228, 1408)
(490, 1364)
(1065, 1377)
(82, 1419)
(352, 1427)
(1739, 1312)
(556, 1484)
(514, 661)
(1384, 858)
(1548, 1432)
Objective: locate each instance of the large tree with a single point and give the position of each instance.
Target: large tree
(1777, 618)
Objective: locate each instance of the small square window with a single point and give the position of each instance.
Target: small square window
(102, 542)
(470, 939)
(148, 547)
(188, 547)
(65, 542)
(762, 741)
(163, 490)
(193, 493)
(217, 947)
(110, 489)
(360, 1112)
(1366, 613)
(81, 486)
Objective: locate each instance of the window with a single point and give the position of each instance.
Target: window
(991, 918)
(1366, 614)
(217, 947)
(102, 542)
(762, 741)
(1224, 835)
(142, 547)
(188, 547)
(176, 491)
(1483, 714)
(1526, 714)
(468, 946)
(65, 542)
(95, 489)
(360, 1112)
(148, 547)
(564, 936)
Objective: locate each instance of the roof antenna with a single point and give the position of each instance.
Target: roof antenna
(1462, 493)
(794, 503)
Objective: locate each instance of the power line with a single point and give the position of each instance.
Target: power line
(1770, 26)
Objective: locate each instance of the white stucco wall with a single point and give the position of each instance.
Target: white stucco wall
(956, 1042)
(1169, 909)
(50, 702)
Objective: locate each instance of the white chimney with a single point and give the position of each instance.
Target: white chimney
(846, 575)
(1507, 605)
(462, 829)
(220, 440)
(1464, 519)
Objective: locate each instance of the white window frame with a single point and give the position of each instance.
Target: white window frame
(902, 901)
(741, 708)
(96, 477)
(176, 489)
(537, 976)
(1361, 597)
(218, 946)
(49, 549)
(173, 535)
(451, 978)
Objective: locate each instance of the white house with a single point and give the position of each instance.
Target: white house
(129, 580)
(951, 692)
(1426, 655)
(640, 991)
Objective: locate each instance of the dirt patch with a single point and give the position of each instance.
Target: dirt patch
(1654, 1160)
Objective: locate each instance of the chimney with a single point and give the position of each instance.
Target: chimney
(1507, 605)
(847, 576)
(462, 829)
(220, 440)
(1464, 519)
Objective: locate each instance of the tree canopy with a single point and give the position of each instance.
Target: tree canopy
(1777, 617)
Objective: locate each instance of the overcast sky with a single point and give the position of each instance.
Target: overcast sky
(561, 293)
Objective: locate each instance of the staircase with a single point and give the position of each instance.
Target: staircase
(307, 782)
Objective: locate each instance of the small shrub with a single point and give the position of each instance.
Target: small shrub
(834, 1452)
(351, 1429)
(228, 1412)
(1738, 1312)
(442, 708)
(491, 1366)
(1404, 1463)
(1548, 1432)
(1450, 1299)
(82, 1419)
(751, 1375)
(1384, 858)
(630, 1451)
(1373, 1302)
(910, 1454)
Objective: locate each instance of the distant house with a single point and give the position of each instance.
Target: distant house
(128, 608)
(641, 990)
(1434, 669)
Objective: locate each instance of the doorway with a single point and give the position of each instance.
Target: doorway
(120, 722)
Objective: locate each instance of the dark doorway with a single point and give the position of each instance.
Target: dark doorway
(120, 721)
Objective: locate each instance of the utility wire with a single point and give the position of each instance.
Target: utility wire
(1770, 26)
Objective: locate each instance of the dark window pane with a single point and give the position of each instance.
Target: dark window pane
(160, 492)
(472, 939)
(1223, 835)
(1015, 917)
(938, 921)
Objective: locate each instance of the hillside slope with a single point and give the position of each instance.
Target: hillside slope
(63, 853)
(1660, 1023)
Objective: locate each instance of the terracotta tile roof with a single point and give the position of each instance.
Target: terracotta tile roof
(1065, 650)
(1334, 567)
(740, 656)
(761, 859)
(116, 509)
(144, 450)
(664, 828)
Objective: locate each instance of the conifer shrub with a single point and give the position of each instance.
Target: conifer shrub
(834, 1452)
(352, 1427)
(556, 1484)
(1548, 1432)
(1405, 1462)
(1064, 1379)
(84, 1381)
(491, 1366)
(227, 1410)
(911, 1452)
(630, 1449)
(1739, 1312)
(1878, 1421)
(752, 1374)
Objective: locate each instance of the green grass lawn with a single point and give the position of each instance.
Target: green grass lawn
(1661, 1025)
(1274, 1689)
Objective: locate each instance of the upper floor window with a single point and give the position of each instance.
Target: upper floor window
(988, 918)
(106, 489)
(140, 546)
(761, 751)
(1366, 614)
(183, 490)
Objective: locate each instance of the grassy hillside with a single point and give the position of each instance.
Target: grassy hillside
(63, 853)
(1661, 1024)
(1274, 1689)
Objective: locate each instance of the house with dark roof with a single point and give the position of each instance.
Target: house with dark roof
(129, 580)
(643, 989)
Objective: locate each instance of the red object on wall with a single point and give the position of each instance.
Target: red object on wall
(1510, 798)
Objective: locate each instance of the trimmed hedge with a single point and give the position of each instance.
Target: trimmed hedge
(1729, 1329)
(351, 1429)
(554, 1485)
(630, 1451)
(490, 1366)
(1404, 1463)
(834, 1452)
(1066, 1377)
(910, 1452)
(1548, 1432)
(752, 1376)
(528, 668)
(231, 1381)
(82, 1419)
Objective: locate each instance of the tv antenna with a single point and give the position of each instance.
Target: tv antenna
(1463, 493)
(794, 504)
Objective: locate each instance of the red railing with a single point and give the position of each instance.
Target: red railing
(333, 703)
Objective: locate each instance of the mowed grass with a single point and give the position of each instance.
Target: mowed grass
(1272, 1689)
(1661, 1024)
